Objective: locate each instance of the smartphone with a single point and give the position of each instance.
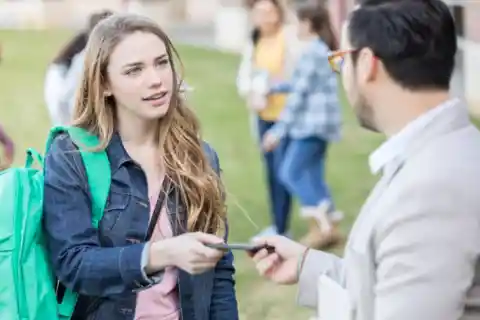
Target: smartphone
(250, 248)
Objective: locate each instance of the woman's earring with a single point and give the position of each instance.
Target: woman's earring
(107, 94)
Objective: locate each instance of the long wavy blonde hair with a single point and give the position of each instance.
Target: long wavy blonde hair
(186, 164)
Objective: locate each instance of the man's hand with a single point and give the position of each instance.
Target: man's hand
(281, 266)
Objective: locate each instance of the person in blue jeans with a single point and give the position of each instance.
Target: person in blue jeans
(270, 54)
(310, 121)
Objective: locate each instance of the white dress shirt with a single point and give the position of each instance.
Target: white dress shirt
(394, 149)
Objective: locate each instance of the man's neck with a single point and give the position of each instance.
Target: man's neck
(406, 108)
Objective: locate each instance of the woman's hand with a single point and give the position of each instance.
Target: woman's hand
(269, 142)
(187, 252)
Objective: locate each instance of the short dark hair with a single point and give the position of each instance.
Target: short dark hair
(319, 17)
(79, 41)
(373, 2)
(415, 40)
(96, 17)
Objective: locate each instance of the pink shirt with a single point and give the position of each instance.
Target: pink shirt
(160, 302)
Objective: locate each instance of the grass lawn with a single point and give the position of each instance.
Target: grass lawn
(225, 126)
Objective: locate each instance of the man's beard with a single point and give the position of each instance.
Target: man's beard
(365, 114)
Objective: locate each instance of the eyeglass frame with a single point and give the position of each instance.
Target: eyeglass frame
(339, 54)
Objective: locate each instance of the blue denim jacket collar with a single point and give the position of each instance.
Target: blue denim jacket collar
(118, 156)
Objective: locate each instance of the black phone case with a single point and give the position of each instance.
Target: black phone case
(252, 248)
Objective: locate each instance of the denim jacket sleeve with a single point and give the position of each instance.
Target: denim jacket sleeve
(224, 301)
(79, 261)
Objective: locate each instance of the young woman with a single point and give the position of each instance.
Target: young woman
(129, 98)
(270, 55)
(62, 77)
(311, 120)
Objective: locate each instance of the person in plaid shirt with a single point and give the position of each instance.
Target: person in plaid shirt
(311, 119)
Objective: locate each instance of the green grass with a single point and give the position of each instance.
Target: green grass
(225, 126)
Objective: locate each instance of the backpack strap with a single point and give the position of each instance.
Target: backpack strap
(98, 173)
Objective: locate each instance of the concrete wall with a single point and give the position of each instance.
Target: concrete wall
(229, 18)
(21, 14)
(74, 13)
(471, 73)
(202, 12)
(231, 26)
(472, 21)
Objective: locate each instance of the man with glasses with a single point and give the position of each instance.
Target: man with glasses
(413, 252)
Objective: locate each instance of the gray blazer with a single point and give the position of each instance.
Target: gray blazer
(413, 252)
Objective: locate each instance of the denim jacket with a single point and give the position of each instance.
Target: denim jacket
(104, 265)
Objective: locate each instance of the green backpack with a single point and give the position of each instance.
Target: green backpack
(27, 288)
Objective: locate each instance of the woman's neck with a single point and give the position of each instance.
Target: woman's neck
(268, 34)
(136, 131)
(310, 37)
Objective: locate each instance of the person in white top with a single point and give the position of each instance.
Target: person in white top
(63, 73)
(413, 252)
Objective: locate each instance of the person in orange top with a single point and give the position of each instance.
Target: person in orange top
(270, 56)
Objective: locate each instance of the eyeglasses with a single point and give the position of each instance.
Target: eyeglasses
(337, 58)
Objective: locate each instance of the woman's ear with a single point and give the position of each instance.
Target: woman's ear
(106, 91)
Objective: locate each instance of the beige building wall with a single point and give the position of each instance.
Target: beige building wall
(74, 13)
(21, 14)
(232, 25)
(202, 12)
(229, 17)
(471, 48)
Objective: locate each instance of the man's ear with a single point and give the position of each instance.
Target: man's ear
(367, 65)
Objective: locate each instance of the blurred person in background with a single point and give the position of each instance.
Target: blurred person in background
(8, 146)
(9, 150)
(63, 74)
(310, 120)
(270, 55)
